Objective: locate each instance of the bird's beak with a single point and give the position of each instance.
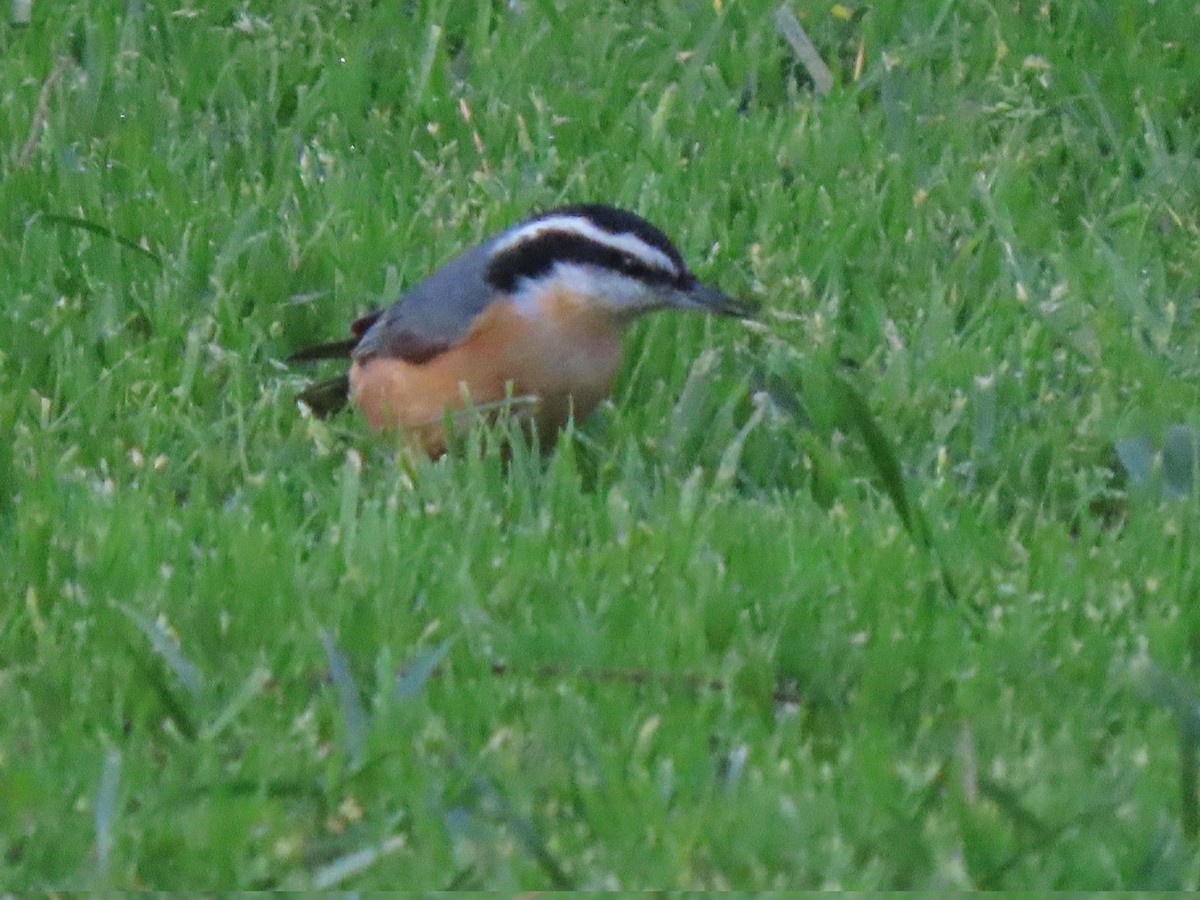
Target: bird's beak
(706, 298)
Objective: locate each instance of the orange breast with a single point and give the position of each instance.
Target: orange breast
(562, 355)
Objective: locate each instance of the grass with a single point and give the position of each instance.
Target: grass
(899, 589)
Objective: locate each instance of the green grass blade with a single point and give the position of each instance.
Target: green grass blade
(106, 812)
(350, 705)
(355, 863)
(100, 230)
(251, 688)
(883, 455)
(167, 647)
(411, 680)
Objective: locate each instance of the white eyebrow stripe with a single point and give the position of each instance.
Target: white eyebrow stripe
(578, 225)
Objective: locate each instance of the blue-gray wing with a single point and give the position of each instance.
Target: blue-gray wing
(434, 315)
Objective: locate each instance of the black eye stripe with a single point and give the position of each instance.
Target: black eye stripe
(537, 256)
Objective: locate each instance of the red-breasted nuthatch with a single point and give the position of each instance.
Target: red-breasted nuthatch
(536, 312)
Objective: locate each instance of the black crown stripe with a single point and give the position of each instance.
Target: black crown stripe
(619, 221)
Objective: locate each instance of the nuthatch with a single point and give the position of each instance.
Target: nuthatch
(537, 312)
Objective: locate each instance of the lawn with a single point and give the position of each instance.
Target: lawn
(896, 587)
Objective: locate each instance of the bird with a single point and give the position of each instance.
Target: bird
(533, 315)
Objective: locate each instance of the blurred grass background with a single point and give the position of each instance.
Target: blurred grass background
(898, 589)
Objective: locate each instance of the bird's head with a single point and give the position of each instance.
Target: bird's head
(605, 257)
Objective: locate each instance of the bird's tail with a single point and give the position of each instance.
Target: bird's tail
(332, 350)
(326, 397)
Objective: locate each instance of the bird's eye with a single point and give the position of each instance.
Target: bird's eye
(627, 264)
